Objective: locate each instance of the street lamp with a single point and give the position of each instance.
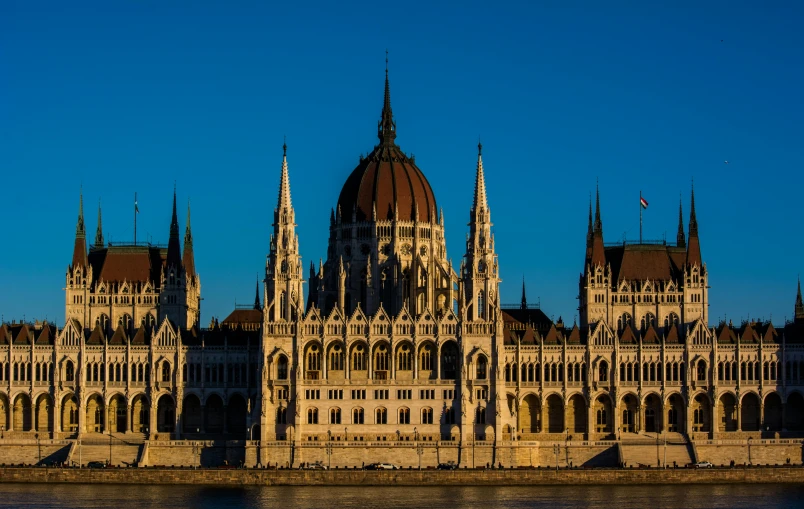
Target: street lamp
(566, 445)
(345, 434)
(749, 449)
(39, 448)
(110, 446)
(3, 431)
(418, 447)
(329, 449)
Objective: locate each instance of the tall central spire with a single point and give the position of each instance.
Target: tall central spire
(799, 310)
(386, 129)
(284, 183)
(480, 201)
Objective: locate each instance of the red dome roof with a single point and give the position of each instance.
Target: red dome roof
(387, 179)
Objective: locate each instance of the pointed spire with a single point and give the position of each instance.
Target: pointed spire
(80, 247)
(188, 259)
(598, 220)
(693, 219)
(99, 232)
(386, 128)
(681, 240)
(693, 244)
(174, 251)
(284, 201)
(598, 253)
(257, 304)
(524, 296)
(480, 184)
(799, 310)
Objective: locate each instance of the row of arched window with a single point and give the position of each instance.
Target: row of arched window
(749, 371)
(24, 372)
(553, 372)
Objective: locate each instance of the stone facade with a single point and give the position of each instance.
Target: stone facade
(394, 348)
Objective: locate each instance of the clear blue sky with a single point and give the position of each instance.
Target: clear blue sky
(129, 96)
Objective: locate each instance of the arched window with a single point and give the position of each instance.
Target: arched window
(426, 359)
(482, 366)
(449, 416)
(336, 358)
(404, 358)
(282, 368)
(449, 361)
(334, 415)
(359, 358)
(312, 416)
(481, 304)
(281, 415)
(427, 416)
(603, 374)
(165, 371)
(357, 416)
(481, 415)
(381, 416)
(701, 371)
(313, 362)
(381, 358)
(404, 416)
(69, 374)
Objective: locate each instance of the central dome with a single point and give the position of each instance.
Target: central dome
(387, 180)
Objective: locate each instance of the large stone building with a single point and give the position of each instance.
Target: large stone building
(392, 343)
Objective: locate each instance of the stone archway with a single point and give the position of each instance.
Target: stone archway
(44, 413)
(165, 414)
(653, 414)
(701, 413)
(794, 412)
(214, 417)
(773, 412)
(674, 414)
(727, 410)
(117, 415)
(4, 407)
(140, 414)
(94, 415)
(630, 414)
(236, 412)
(602, 414)
(749, 413)
(69, 414)
(576, 414)
(530, 415)
(22, 413)
(193, 418)
(555, 414)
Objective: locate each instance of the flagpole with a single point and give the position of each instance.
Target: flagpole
(135, 218)
(640, 216)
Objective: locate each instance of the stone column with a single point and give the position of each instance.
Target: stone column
(10, 426)
(129, 419)
(738, 409)
(34, 420)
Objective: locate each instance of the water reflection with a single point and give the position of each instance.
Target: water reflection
(554, 497)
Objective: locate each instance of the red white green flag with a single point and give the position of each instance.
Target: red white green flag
(643, 202)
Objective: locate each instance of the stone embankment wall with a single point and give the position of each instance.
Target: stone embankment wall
(462, 477)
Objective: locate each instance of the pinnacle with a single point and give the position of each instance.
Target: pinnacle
(284, 201)
(99, 232)
(480, 200)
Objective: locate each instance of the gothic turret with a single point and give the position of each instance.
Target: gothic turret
(99, 232)
(80, 248)
(283, 271)
(693, 246)
(524, 303)
(799, 310)
(481, 276)
(681, 241)
(598, 257)
(188, 257)
(174, 250)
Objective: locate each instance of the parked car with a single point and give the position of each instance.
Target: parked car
(381, 466)
(448, 466)
(96, 464)
(316, 466)
(703, 464)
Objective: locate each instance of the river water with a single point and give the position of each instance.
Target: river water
(553, 497)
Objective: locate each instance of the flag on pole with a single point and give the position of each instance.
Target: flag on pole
(136, 208)
(643, 202)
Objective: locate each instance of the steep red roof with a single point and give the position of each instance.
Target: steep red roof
(127, 263)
